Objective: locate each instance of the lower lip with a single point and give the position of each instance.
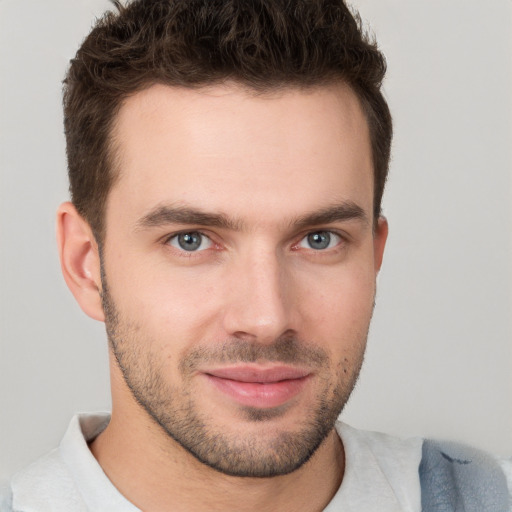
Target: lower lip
(262, 395)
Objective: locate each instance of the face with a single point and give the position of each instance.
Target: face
(239, 268)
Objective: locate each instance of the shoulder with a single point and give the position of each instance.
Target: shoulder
(50, 484)
(431, 475)
(45, 485)
(463, 477)
(5, 497)
(506, 466)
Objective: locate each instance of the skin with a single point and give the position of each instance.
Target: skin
(268, 165)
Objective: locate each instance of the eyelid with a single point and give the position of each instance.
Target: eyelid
(341, 238)
(174, 236)
(178, 232)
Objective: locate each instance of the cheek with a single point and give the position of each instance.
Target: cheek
(167, 304)
(343, 297)
(337, 315)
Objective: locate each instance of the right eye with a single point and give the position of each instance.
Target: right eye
(190, 241)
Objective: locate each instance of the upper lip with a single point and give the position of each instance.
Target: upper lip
(249, 373)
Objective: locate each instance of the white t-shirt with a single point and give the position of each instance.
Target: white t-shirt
(381, 475)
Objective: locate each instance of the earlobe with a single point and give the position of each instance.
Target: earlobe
(379, 241)
(79, 260)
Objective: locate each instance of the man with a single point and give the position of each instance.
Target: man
(227, 162)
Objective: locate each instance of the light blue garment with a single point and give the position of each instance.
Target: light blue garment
(458, 478)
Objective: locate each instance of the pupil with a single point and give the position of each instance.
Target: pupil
(319, 240)
(189, 241)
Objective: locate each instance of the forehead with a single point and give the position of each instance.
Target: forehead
(226, 148)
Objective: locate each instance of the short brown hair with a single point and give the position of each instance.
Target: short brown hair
(261, 44)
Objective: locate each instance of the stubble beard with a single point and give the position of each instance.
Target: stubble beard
(234, 454)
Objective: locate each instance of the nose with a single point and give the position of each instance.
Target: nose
(258, 303)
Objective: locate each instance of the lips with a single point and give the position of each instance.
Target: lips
(257, 386)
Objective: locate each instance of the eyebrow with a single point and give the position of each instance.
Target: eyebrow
(168, 214)
(345, 211)
(163, 215)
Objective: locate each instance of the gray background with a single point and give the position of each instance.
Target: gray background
(439, 361)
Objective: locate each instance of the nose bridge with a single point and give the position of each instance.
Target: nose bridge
(258, 303)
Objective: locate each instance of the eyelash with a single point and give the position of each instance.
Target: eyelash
(183, 252)
(332, 236)
(342, 239)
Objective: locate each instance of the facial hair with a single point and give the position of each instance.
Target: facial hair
(232, 453)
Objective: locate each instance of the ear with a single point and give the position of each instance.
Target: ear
(379, 241)
(80, 260)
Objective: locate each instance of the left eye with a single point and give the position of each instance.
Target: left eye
(320, 240)
(191, 241)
